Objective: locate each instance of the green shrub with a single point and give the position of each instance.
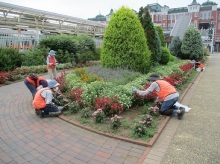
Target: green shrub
(192, 47)
(97, 54)
(175, 46)
(124, 43)
(85, 56)
(71, 48)
(165, 57)
(34, 57)
(172, 58)
(63, 56)
(9, 59)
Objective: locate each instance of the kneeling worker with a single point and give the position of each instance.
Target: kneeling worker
(166, 95)
(44, 102)
(34, 83)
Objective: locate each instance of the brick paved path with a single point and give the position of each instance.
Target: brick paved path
(26, 138)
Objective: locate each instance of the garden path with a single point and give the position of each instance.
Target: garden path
(26, 138)
(195, 139)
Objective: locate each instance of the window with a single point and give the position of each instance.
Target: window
(219, 25)
(156, 18)
(160, 17)
(209, 15)
(168, 17)
(201, 15)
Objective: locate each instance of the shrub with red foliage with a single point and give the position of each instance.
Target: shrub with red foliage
(186, 67)
(4, 76)
(174, 79)
(61, 81)
(76, 95)
(140, 100)
(110, 105)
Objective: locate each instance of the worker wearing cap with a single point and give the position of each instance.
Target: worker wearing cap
(51, 64)
(34, 83)
(166, 95)
(44, 102)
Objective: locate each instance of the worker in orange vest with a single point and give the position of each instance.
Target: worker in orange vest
(199, 66)
(44, 102)
(51, 64)
(34, 83)
(166, 95)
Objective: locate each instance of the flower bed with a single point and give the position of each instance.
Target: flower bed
(101, 96)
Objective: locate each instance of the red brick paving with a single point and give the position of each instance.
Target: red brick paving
(26, 138)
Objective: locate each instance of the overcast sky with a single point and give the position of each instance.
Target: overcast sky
(90, 8)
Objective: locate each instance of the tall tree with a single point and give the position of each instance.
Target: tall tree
(150, 33)
(192, 47)
(124, 43)
(159, 29)
(158, 41)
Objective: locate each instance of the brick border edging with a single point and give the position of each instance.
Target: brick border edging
(113, 136)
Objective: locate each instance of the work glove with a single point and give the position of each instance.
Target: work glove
(57, 102)
(51, 105)
(134, 90)
(39, 87)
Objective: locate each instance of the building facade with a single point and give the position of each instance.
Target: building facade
(205, 17)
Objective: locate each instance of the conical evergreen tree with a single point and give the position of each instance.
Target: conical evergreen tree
(158, 41)
(192, 47)
(175, 47)
(150, 33)
(159, 29)
(124, 43)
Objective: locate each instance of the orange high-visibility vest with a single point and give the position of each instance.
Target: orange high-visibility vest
(39, 102)
(51, 60)
(200, 66)
(165, 89)
(37, 83)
